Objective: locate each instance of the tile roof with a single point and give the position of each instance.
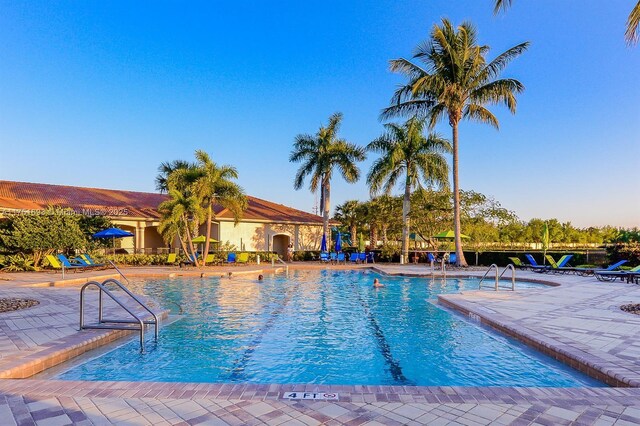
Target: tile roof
(36, 196)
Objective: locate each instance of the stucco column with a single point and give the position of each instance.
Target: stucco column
(139, 240)
(296, 237)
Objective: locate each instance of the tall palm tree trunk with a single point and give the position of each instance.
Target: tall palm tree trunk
(190, 241)
(182, 244)
(206, 244)
(406, 206)
(325, 207)
(353, 231)
(460, 260)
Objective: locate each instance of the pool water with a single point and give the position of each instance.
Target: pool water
(323, 327)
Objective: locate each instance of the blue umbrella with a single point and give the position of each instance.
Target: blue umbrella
(338, 242)
(323, 244)
(112, 233)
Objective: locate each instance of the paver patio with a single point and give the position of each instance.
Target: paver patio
(579, 319)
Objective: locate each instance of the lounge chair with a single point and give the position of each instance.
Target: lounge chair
(341, 258)
(431, 257)
(353, 258)
(172, 258)
(90, 260)
(362, 257)
(452, 258)
(533, 265)
(560, 265)
(56, 263)
(243, 258)
(231, 258)
(518, 263)
(370, 257)
(324, 257)
(212, 260)
(333, 257)
(611, 274)
(69, 264)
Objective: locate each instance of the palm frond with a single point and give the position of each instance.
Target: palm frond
(631, 33)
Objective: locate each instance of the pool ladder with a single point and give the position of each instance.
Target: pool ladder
(136, 323)
(499, 276)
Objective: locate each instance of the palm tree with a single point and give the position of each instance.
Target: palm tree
(350, 214)
(180, 215)
(213, 185)
(165, 169)
(406, 151)
(320, 155)
(455, 82)
(631, 33)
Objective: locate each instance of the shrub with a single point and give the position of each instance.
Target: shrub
(18, 263)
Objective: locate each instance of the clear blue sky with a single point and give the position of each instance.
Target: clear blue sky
(99, 93)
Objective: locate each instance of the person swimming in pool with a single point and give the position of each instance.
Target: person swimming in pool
(260, 277)
(377, 283)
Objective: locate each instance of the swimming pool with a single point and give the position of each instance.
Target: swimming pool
(323, 327)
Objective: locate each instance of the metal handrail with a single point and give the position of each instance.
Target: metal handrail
(286, 265)
(113, 297)
(134, 297)
(513, 276)
(493, 265)
(119, 271)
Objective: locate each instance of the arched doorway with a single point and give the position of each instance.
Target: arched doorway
(280, 244)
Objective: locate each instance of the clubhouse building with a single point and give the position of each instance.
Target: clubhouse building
(265, 226)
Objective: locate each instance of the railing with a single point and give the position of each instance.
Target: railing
(499, 275)
(513, 276)
(493, 266)
(276, 257)
(114, 324)
(119, 271)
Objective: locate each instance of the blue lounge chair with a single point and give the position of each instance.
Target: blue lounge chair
(341, 258)
(431, 257)
(452, 258)
(611, 274)
(534, 265)
(333, 257)
(353, 258)
(68, 264)
(324, 257)
(362, 257)
(231, 258)
(371, 257)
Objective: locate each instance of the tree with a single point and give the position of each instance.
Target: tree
(43, 232)
(405, 150)
(455, 82)
(320, 155)
(630, 34)
(351, 215)
(214, 185)
(164, 171)
(180, 215)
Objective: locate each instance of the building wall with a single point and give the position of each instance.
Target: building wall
(259, 236)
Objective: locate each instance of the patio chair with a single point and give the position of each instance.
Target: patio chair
(87, 257)
(231, 258)
(452, 258)
(211, 259)
(68, 264)
(341, 258)
(612, 275)
(171, 259)
(333, 257)
(559, 266)
(243, 258)
(534, 266)
(324, 257)
(353, 258)
(371, 257)
(362, 257)
(518, 263)
(57, 263)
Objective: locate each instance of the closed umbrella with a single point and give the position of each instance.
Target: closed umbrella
(323, 244)
(112, 233)
(338, 242)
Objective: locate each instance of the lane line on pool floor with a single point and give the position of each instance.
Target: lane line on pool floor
(239, 366)
(394, 365)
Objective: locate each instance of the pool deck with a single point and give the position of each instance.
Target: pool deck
(578, 322)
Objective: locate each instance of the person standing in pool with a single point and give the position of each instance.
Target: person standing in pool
(377, 283)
